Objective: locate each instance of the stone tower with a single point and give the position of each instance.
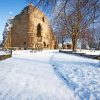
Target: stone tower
(30, 29)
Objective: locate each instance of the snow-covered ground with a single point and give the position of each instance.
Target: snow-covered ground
(82, 75)
(49, 75)
(88, 52)
(30, 76)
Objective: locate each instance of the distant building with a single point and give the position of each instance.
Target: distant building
(65, 46)
(29, 29)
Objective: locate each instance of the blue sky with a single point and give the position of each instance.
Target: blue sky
(9, 8)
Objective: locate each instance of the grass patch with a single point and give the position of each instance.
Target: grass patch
(3, 57)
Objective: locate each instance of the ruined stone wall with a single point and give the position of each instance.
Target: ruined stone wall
(31, 29)
(46, 33)
(19, 31)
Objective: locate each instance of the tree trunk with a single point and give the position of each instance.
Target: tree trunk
(74, 45)
(74, 42)
(62, 45)
(62, 42)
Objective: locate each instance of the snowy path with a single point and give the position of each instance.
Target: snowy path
(82, 75)
(29, 76)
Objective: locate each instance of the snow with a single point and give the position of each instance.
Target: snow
(3, 53)
(90, 52)
(30, 76)
(49, 75)
(80, 74)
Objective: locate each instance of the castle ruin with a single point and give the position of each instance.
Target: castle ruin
(30, 29)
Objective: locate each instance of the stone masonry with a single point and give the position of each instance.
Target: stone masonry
(31, 29)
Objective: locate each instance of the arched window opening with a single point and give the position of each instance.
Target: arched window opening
(44, 44)
(39, 30)
(43, 19)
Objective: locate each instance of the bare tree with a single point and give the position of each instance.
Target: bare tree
(61, 35)
(47, 3)
(97, 37)
(77, 16)
(88, 39)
